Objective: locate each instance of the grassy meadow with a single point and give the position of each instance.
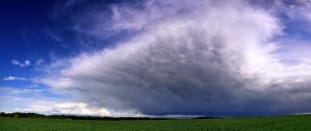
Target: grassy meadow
(281, 123)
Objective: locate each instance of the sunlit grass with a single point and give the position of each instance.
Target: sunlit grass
(282, 123)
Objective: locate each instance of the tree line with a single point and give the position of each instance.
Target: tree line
(77, 117)
(70, 117)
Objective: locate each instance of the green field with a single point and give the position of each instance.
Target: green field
(282, 123)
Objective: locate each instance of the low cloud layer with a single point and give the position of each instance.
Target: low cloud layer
(66, 108)
(189, 58)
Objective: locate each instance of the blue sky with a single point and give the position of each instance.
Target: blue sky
(119, 58)
(29, 38)
(26, 35)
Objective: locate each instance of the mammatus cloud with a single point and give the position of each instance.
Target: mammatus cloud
(20, 63)
(11, 78)
(190, 58)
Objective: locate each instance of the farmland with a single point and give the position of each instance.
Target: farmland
(282, 123)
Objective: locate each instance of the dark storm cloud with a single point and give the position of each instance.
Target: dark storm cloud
(189, 58)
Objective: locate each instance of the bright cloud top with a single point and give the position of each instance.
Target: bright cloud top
(189, 58)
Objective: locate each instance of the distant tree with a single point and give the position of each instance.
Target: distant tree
(2, 114)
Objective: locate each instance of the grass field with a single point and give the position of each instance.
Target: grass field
(282, 123)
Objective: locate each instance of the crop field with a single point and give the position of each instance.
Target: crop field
(281, 123)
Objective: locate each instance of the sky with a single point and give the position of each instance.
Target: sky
(155, 57)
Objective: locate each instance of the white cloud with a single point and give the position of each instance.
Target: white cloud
(11, 91)
(15, 62)
(67, 108)
(34, 100)
(203, 57)
(74, 108)
(20, 63)
(27, 62)
(11, 78)
(58, 82)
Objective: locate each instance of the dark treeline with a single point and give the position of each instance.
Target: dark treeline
(75, 117)
(22, 115)
(70, 117)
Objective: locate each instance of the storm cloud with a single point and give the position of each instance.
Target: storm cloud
(187, 58)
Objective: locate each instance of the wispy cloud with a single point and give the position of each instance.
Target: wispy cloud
(12, 78)
(31, 91)
(39, 62)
